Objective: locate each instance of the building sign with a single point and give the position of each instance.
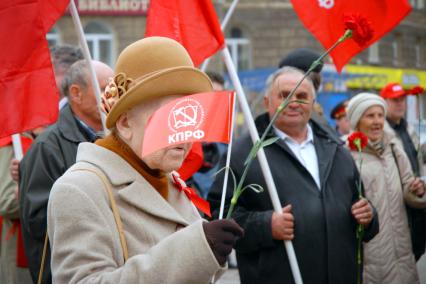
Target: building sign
(371, 77)
(112, 7)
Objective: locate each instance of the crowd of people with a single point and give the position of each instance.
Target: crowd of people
(84, 206)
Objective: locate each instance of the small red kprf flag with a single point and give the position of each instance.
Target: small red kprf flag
(195, 118)
(192, 23)
(325, 20)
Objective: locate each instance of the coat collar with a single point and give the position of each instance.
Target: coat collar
(133, 188)
(68, 127)
(325, 144)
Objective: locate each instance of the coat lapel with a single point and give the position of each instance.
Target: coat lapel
(143, 196)
(325, 149)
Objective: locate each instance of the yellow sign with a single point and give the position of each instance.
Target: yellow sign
(371, 77)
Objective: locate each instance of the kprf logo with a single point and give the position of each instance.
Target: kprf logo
(184, 119)
(328, 4)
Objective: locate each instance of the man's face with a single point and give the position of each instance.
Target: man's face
(89, 104)
(167, 159)
(343, 125)
(297, 114)
(396, 108)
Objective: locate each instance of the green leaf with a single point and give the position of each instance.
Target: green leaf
(255, 187)
(270, 141)
(234, 179)
(253, 152)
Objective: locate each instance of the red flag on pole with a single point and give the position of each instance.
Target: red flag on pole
(193, 162)
(324, 19)
(192, 23)
(195, 118)
(28, 93)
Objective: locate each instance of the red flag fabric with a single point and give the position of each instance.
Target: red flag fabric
(192, 23)
(195, 118)
(28, 93)
(192, 163)
(324, 19)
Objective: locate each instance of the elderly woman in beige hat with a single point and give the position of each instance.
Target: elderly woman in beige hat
(115, 217)
(390, 186)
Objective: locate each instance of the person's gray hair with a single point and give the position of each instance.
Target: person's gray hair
(286, 70)
(77, 74)
(63, 56)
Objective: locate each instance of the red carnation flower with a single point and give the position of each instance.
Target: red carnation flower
(357, 141)
(417, 90)
(362, 30)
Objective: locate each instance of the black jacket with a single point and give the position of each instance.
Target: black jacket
(52, 153)
(325, 241)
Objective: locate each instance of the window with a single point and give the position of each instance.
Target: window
(100, 40)
(395, 53)
(240, 50)
(53, 37)
(417, 4)
(373, 53)
(417, 49)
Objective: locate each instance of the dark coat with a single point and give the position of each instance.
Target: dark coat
(325, 241)
(52, 153)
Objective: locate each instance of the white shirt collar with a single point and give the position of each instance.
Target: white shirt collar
(284, 136)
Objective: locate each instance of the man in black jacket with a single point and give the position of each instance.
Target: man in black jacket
(316, 180)
(53, 153)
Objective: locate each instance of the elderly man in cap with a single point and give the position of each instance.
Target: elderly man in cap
(316, 181)
(338, 113)
(395, 97)
(53, 152)
(118, 217)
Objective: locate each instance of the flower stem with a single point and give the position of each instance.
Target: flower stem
(281, 107)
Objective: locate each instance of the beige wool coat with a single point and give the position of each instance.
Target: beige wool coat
(165, 239)
(388, 257)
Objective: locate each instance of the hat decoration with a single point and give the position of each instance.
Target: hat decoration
(115, 89)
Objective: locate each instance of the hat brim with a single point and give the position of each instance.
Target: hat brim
(183, 80)
(395, 95)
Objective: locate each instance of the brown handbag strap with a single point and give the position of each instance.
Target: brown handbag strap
(117, 218)
(43, 259)
(114, 208)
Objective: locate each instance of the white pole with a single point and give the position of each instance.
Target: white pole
(86, 53)
(17, 146)
(261, 157)
(228, 160)
(222, 27)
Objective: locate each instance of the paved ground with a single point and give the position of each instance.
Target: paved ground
(231, 276)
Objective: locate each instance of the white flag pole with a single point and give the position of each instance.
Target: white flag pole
(86, 54)
(222, 27)
(17, 146)
(261, 157)
(228, 161)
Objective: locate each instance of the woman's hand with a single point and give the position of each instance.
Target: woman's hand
(417, 187)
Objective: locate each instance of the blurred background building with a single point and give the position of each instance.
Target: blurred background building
(259, 34)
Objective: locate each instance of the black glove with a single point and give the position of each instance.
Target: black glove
(221, 236)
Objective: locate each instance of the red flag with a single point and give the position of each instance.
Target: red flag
(195, 118)
(324, 19)
(192, 23)
(28, 93)
(192, 163)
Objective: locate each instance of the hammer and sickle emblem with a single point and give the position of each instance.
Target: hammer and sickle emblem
(328, 4)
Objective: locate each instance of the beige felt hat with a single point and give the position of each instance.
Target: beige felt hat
(148, 68)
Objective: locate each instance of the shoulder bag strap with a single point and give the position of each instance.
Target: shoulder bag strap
(117, 218)
(115, 210)
(397, 166)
